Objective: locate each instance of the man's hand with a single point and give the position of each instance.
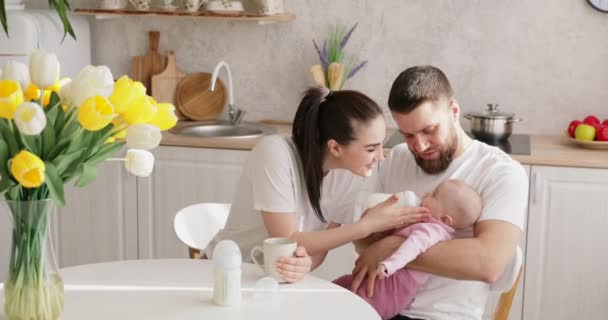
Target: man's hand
(367, 263)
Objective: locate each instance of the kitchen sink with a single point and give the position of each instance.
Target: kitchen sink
(221, 129)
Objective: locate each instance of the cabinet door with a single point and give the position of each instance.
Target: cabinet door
(181, 177)
(567, 244)
(99, 221)
(517, 306)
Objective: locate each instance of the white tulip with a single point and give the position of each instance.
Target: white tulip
(44, 69)
(143, 136)
(139, 162)
(30, 118)
(17, 71)
(90, 81)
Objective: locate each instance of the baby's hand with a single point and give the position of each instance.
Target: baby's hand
(382, 272)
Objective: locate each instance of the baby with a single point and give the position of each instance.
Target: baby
(453, 205)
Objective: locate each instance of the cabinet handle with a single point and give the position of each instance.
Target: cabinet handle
(537, 186)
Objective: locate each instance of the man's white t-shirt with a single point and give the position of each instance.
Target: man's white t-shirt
(273, 181)
(503, 185)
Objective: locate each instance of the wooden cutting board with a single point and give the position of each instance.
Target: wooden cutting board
(143, 67)
(164, 83)
(195, 101)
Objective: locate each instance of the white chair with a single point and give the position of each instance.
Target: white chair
(197, 224)
(507, 284)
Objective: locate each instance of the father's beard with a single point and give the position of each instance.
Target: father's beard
(446, 155)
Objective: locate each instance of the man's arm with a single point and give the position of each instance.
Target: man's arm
(481, 258)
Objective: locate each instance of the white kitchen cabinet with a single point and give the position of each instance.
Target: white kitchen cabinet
(567, 244)
(181, 177)
(99, 221)
(517, 306)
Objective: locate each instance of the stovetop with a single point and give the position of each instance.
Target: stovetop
(518, 144)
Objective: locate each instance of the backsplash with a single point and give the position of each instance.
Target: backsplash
(538, 59)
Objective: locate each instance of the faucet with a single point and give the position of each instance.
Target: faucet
(235, 114)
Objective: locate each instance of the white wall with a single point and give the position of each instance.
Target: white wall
(539, 59)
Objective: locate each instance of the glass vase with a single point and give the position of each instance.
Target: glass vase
(33, 288)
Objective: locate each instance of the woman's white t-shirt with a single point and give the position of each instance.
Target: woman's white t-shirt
(272, 181)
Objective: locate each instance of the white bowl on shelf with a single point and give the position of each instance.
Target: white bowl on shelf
(230, 7)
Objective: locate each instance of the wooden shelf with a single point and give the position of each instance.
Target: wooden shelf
(240, 16)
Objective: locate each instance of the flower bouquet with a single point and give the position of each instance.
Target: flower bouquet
(336, 66)
(53, 132)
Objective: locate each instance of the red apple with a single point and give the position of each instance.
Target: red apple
(605, 122)
(572, 127)
(602, 134)
(592, 121)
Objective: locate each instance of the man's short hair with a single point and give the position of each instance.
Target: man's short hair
(417, 85)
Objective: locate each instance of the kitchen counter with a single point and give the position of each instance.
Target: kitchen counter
(549, 150)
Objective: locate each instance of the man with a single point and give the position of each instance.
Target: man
(436, 149)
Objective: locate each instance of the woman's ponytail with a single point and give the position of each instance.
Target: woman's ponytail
(305, 134)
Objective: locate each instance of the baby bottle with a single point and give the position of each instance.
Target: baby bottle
(227, 262)
(406, 199)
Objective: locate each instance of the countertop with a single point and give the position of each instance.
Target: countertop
(549, 150)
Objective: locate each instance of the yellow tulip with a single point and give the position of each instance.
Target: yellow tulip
(95, 113)
(165, 117)
(126, 92)
(28, 169)
(11, 97)
(141, 110)
(31, 93)
(120, 127)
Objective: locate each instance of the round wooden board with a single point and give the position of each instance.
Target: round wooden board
(195, 101)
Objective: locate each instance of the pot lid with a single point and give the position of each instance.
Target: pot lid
(492, 112)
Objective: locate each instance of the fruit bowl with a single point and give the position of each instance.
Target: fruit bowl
(587, 144)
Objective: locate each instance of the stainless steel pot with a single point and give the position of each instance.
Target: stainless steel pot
(492, 125)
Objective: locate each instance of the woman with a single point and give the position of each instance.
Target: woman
(306, 186)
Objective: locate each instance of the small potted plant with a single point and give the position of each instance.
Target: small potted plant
(336, 66)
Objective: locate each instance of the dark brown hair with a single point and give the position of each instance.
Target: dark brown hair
(323, 115)
(417, 85)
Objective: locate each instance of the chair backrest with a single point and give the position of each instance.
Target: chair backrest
(507, 284)
(197, 224)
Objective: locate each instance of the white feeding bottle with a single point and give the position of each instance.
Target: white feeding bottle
(227, 262)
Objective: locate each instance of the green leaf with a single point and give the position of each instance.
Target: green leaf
(48, 140)
(9, 136)
(65, 161)
(13, 193)
(3, 17)
(62, 6)
(57, 149)
(54, 184)
(5, 184)
(105, 152)
(59, 121)
(3, 159)
(89, 173)
(30, 143)
(5, 179)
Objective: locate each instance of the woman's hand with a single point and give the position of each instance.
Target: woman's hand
(386, 215)
(292, 269)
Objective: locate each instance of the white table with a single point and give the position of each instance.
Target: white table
(182, 289)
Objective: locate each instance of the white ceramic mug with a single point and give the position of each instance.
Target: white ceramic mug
(141, 4)
(193, 5)
(113, 4)
(168, 5)
(267, 255)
